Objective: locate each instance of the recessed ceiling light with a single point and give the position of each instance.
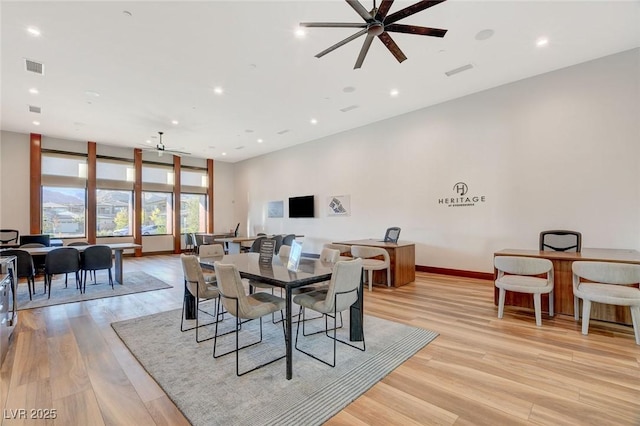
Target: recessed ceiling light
(484, 34)
(542, 42)
(36, 123)
(33, 91)
(314, 121)
(148, 141)
(260, 141)
(224, 153)
(300, 33)
(33, 31)
(174, 122)
(218, 90)
(92, 93)
(394, 93)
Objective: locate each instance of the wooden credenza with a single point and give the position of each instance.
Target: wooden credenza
(563, 277)
(402, 256)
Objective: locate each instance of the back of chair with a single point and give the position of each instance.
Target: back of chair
(235, 233)
(329, 255)
(43, 239)
(9, 236)
(192, 272)
(560, 240)
(607, 272)
(25, 267)
(231, 289)
(368, 252)
(345, 278)
(97, 257)
(211, 250)
(284, 253)
(78, 243)
(278, 239)
(392, 235)
(255, 246)
(62, 260)
(342, 248)
(517, 265)
(288, 239)
(32, 245)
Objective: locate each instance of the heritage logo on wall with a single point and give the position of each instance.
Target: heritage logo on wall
(461, 197)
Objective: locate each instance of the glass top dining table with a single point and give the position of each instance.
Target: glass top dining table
(309, 271)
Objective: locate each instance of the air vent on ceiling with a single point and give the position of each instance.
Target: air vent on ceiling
(240, 147)
(458, 70)
(35, 109)
(282, 132)
(33, 66)
(349, 108)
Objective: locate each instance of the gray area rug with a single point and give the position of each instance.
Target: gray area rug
(208, 392)
(134, 282)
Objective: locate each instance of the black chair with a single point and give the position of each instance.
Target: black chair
(561, 240)
(188, 243)
(8, 236)
(76, 244)
(43, 239)
(255, 246)
(235, 233)
(96, 258)
(392, 235)
(288, 239)
(278, 239)
(62, 260)
(25, 267)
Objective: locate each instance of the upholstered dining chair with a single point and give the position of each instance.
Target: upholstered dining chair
(62, 260)
(211, 250)
(24, 267)
(188, 243)
(518, 274)
(561, 240)
(76, 244)
(371, 261)
(343, 291)
(288, 239)
(609, 283)
(244, 308)
(96, 258)
(201, 290)
(392, 235)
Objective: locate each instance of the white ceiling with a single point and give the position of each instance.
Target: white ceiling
(163, 61)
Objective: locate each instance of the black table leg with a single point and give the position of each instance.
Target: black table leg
(288, 336)
(190, 309)
(356, 315)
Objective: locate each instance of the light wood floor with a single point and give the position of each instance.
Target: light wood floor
(480, 370)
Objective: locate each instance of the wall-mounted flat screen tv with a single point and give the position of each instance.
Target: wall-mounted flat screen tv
(301, 206)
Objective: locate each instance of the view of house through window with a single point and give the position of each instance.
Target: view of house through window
(193, 217)
(114, 215)
(63, 211)
(156, 213)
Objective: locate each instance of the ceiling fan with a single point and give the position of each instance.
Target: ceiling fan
(161, 148)
(379, 24)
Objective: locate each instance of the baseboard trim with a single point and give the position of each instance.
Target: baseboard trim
(455, 272)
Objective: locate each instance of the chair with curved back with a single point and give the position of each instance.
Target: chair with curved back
(8, 236)
(25, 267)
(188, 243)
(78, 244)
(372, 262)
(518, 274)
(279, 241)
(560, 240)
(392, 235)
(211, 250)
(200, 290)
(38, 260)
(96, 258)
(61, 260)
(343, 291)
(288, 239)
(609, 283)
(244, 307)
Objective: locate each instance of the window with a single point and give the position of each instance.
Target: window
(156, 213)
(193, 213)
(63, 211)
(64, 198)
(114, 216)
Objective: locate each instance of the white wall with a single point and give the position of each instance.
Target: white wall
(556, 151)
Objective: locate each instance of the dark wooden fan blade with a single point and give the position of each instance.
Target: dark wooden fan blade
(341, 43)
(392, 46)
(410, 10)
(383, 9)
(363, 51)
(334, 24)
(414, 29)
(355, 4)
